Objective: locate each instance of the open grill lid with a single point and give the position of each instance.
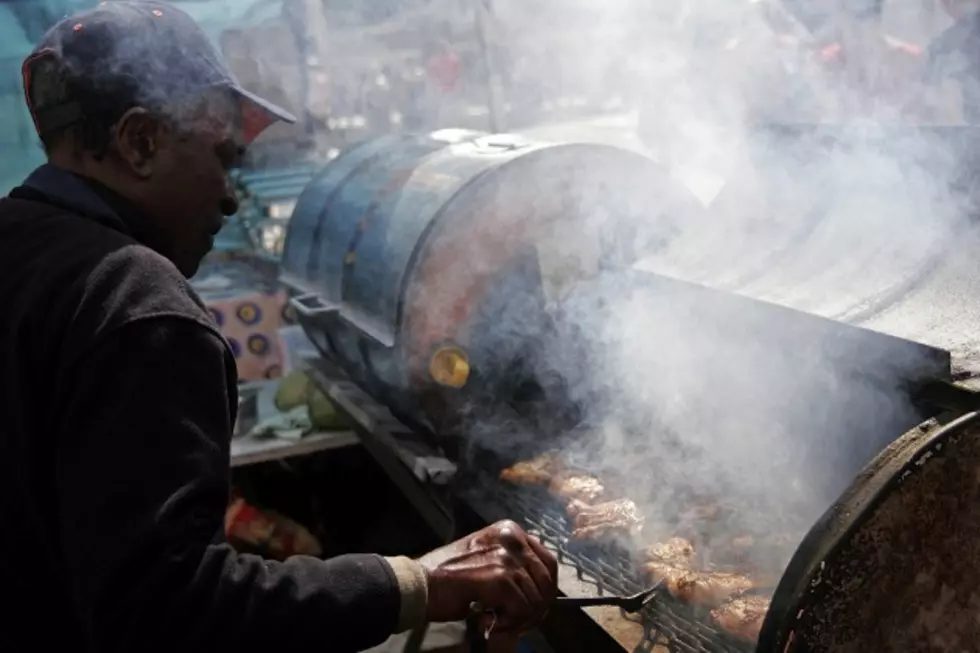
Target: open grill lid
(895, 564)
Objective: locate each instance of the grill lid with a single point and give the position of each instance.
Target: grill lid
(895, 564)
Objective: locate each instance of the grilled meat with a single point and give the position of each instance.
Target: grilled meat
(576, 486)
(575, 507)
(669, 573)
(708, 589)
(669, 561)
(676, 551)
(683, 571)
(537, 471)
(619, 517)
(742, 617)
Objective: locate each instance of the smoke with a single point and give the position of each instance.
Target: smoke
(680, 391)
(687, 394)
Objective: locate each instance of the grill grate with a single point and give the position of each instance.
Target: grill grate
(666, 621)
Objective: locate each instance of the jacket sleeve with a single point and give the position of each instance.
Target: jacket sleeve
(142, 477)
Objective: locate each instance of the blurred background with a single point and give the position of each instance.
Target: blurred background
(353, 70)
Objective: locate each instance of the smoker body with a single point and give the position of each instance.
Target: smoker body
(403, 251)
(853, 223)
(772, 401)
(446, 274)
(459, 279)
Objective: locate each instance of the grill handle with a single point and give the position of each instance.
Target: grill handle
(311, 305)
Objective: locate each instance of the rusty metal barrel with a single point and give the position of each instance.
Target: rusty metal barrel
(403, 251)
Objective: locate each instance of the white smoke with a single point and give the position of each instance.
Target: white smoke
(683, 393)
(842, 222)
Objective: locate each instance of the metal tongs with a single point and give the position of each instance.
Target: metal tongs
(633, 603)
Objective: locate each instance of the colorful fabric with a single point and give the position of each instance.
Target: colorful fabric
(251, 324)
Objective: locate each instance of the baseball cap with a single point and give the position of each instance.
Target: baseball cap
(131, 53)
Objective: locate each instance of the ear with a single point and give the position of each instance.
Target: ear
(138, 137)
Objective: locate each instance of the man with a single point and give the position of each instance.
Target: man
(871, 73)
(443, 68)
(954, 60)
(120, 395)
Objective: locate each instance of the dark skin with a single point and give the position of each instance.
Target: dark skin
(502, 568)
(178, 178)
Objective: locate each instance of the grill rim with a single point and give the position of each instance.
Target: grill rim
(844, 518)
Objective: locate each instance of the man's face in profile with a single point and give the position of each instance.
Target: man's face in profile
(189, 193)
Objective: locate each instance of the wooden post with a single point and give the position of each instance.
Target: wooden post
(494, 105)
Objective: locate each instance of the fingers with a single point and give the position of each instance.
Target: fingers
(534, 579)
(511, 536)
(545, 571)
(527, 551)
(528, 582)
(518, 610)
(536, 604)
(501, 567)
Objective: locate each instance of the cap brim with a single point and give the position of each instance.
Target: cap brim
(258, 114)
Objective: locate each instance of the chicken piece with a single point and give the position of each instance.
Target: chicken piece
(742, 617)
(668, 561)
(577, 487)
(537, 471)
(575, 507)
(676, 551)
(619, 517)
(709, 589)
(668, 573)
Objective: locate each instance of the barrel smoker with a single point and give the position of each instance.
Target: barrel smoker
(404, 249)
(437, 273)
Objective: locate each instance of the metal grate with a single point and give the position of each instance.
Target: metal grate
(679, 627)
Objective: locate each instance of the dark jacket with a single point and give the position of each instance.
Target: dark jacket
(119, 397)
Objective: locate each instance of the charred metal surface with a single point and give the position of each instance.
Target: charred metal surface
(893, 566)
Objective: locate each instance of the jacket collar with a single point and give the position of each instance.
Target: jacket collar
(73, 192)
(90, 199)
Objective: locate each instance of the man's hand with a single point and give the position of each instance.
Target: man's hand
(502, 568)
